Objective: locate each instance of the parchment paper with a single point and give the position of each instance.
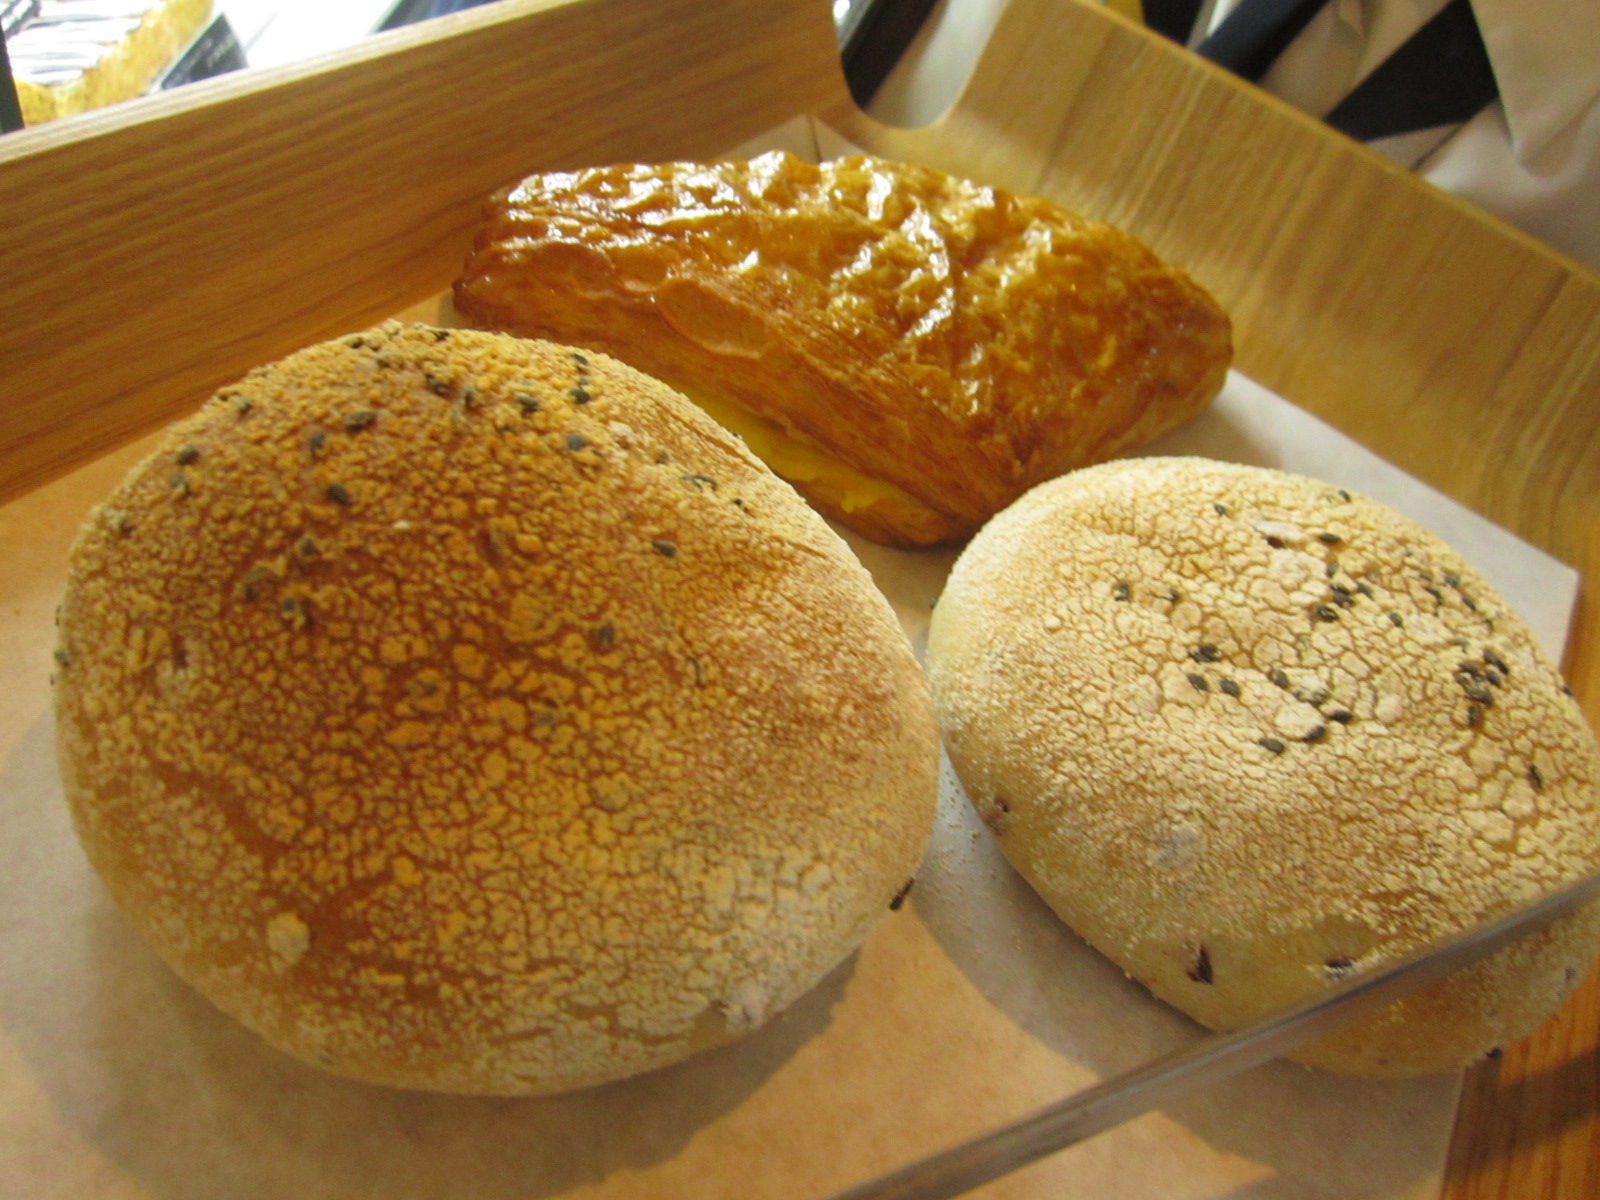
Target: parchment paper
(969, 1007)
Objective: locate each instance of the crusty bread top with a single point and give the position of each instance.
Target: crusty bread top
(959, 341)
(474, 713)
(1217, 701)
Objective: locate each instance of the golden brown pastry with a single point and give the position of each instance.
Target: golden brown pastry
(474, 714)
(912, 351)
(75, 55)
(1251, 735)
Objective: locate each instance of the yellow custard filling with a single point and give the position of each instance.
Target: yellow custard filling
(805, 466)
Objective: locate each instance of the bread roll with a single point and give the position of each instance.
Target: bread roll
(474, 714)
(1251, 735)
(912, 351)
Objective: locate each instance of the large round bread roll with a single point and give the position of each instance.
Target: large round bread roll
(472, 714)
(1249, 735)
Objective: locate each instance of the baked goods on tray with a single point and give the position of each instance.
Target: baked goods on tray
(911, 350)
(1250, 735)
(475, 714)
(74, 55)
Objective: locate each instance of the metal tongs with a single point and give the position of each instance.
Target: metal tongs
(1209, 1061)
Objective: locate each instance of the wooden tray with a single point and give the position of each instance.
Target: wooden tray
(155, 250)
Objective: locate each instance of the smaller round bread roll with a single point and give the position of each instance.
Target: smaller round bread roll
(468, 713)
(1250, 735)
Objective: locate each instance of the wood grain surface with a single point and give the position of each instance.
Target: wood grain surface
(154, 251)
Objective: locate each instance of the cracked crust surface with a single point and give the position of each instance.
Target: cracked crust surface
(956, 342)
(1250, 734)
(474, 714)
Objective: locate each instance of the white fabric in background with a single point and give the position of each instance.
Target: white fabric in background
(1341, 45)
(1532, 157)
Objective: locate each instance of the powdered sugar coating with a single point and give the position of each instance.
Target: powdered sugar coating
(1250, 734)
(469, 713)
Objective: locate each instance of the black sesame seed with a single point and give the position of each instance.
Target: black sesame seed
(1318, 733)
(361, 419)
(1220, 509)
(187, 455)
(900, 896)
(1395, 619)
(1342, 715)
(1332, 568)
(243, 405)
(575, 441)
(1326, 612)
(252, 578)
(606, 636)
(1364, 590)
(1474, 716)
(1206, 652)
(317, 441)
(294, 612)
(469, 396)
(1275, 542)
(439, 387)
(1201, 971)
(1344, 495)
(1120, 592)
(694, 667)
(1228, 687)
(1339, 964)
(1198, 682)
(1495, 661)
(1272, 745)
(1279, 678)
(665, 548)
(1329, 539)
(528, 404)
(338, 493)
(1452, 581)
(701, 482)
(1536, 777)
(1342, 596)
(580, 359)
(579, 395)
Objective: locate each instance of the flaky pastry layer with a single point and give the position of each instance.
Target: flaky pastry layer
(956, 342)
